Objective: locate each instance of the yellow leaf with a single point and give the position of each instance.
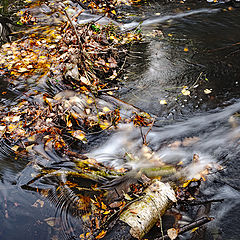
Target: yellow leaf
(127, 197)
(106, 109)
(22, 69)
(103, 206)
(12, 127)
(113, 12)
(207, 91)
(80, 135)
(104, 124)
(162, 102)
(106, 212)
(194, 229)
(185, 91)
(101, 234)
(29, 148)
(89, 100)
(15, 148)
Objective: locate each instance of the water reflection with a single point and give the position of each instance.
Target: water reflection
(198, 51)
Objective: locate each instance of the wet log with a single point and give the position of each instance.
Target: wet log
(141, 215)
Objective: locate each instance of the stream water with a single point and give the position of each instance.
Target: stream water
(192, 44)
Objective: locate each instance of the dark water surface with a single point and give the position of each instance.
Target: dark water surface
(199, 48)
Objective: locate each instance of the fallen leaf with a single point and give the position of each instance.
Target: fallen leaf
(80, 135)
(207, 91)
(2, 128)
(50, 221)
(115, 204)
(106, 212)
(190, 141)
(106, 109)
(104, 124)
(127, 197)
(172, 233)
(15, 148)
(21, 70)
(162, 102)
(185, 91)
(134, 211)
(38, 203)
(101, 234)
(85, 80)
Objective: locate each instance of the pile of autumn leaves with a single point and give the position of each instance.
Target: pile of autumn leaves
(77, 62)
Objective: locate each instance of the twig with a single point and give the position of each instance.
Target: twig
(108, 89)
(194, 203)
(229, 184)
(145, 136)
(74, 28)
(112, 220)
(222, 48)
(197, 223)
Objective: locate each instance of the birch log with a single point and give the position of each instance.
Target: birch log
(141, 215)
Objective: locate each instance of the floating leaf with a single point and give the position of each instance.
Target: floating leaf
(163, 102)
(185, 91)
(127, 197)
(15, 148)
(207, 91)
(106, 109)
(106, 212)
(104, 124)
(85, 80)
(38, 203)
(50, 221)
(172, 233)
(22, 69)
(80, 135)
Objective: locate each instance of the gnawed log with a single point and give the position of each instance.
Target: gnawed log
(141, 215)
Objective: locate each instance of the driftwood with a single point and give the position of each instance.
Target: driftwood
(141, 215)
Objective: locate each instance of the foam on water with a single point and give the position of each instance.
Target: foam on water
(208, 135)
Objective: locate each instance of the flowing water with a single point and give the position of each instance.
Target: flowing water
(193, 44)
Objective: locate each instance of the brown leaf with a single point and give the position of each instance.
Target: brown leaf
(101, 234)
(172, 233)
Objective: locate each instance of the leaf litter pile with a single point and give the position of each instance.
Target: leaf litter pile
(73, 70)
